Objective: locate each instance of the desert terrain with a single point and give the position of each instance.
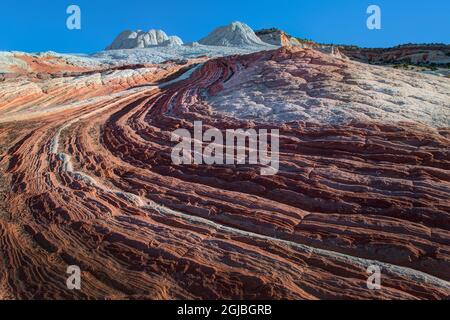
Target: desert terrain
(86, 176)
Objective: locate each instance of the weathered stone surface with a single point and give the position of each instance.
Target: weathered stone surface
(87, 179)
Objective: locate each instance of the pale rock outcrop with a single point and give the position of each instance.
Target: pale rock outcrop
(276, 37)
(140, 39)
(173, 41)
(234, 34)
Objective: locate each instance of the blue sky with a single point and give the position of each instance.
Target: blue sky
(40, 25)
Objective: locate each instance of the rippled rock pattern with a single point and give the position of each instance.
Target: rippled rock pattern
(88, 180)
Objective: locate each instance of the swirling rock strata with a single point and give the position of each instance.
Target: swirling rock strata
(94, 186)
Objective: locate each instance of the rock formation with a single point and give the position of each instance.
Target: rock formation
(278, 37)
(140, 39)
(274, 36)
(235, 34)
(438, 54)
(86, 179)
(173, 41)
(415, 54)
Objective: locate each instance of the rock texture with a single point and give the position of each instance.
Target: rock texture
(413, 54)
(274, 36)
(88, 180)
(320, 88)
(19, 63)
(235, 34)
(140, 39)
(173, 41)
(278, 37)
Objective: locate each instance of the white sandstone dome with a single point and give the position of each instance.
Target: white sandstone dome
(173, 41)
(234, 35)
(140, 39)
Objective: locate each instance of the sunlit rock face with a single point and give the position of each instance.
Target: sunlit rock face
(277, 38)
(86, 178)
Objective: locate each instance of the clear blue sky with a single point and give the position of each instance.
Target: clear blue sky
(40, 25)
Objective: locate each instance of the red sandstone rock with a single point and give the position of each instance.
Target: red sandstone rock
(347, 196)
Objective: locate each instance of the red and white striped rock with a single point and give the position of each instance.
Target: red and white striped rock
(94, 185)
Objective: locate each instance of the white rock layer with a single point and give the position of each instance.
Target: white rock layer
(235, 34)
(140, 39)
